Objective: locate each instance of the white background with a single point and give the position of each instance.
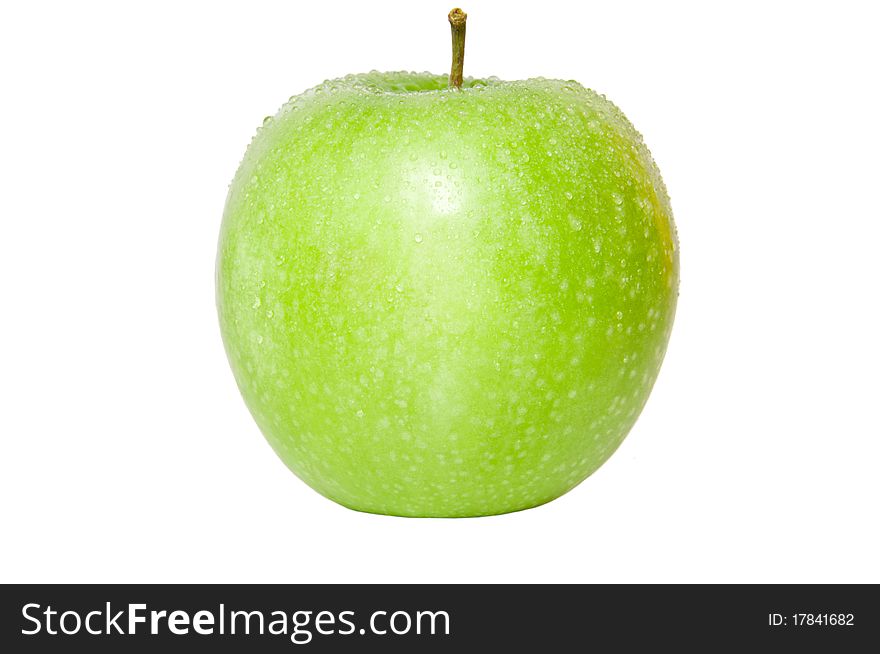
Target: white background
(126, 453)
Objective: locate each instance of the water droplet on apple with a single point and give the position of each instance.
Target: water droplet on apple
(357, 196)
(576, 224)
(257, 303)
(618, 198)
(267, 120)
(359, 413)
(418, 238)
(568, 195)
(398, 288)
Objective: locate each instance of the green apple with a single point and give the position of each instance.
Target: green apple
(443, 301)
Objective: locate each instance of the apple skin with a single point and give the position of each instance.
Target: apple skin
(446, 302)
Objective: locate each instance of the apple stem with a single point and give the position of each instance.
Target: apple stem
(458, 21)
